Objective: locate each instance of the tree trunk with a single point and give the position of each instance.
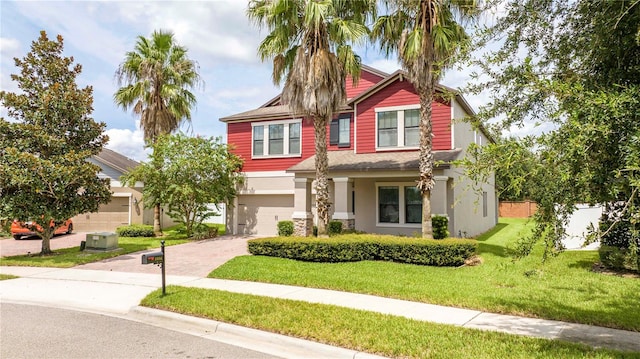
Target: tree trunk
(156, 219)
(46, 242)
(426, 182)
(322, 168)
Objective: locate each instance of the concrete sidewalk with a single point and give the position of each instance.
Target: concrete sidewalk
(119, 293)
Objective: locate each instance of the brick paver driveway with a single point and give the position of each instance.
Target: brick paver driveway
(196, 258)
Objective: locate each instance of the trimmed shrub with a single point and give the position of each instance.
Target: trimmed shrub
(204, 231)
(285, 228)
(440, 227)
(335, 227)
(618, 258)
(343, 248)
(135, 230)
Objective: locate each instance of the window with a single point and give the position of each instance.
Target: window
(411, 127)
(294, 138)
(388, 203)
(387, 129)
(258, 140)
(340, 131)
(398, 126)
(412, 205)
(485, 205)
(277, 138)
(399, 204)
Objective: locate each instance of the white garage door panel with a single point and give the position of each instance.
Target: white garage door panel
(108, 218)
(260, 214)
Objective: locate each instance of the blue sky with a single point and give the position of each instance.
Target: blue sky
(216, 32)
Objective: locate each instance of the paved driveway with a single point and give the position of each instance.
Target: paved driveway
(196, 258)
(33, 244)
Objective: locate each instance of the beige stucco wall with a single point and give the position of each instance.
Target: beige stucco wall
(468, 214)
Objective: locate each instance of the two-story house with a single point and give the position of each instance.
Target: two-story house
(373, 163)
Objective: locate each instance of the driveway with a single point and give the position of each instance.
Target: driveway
(196, 258)
(33, 244)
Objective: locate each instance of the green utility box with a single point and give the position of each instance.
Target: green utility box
(102, 241)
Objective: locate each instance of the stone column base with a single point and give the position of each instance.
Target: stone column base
(347, 224)
(303, 227)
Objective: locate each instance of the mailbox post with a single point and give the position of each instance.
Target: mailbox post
(157, 258)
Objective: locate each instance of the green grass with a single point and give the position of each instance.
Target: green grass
(563, 288)
(364, 331)
(70, 257)
(7, 276)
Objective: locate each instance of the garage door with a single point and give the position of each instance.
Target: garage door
(259, 214)
(108, 218)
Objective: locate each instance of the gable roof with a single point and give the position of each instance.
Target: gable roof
(270, 110)
(369, 69)
(115, 160)
(347, 160)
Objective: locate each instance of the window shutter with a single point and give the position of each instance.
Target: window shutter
(334, 133)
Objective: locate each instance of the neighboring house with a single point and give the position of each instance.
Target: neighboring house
(373, 163)
(126, 205)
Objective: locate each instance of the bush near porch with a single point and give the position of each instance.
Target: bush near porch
(359, 247)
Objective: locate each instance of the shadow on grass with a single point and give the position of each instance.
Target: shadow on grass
(493, 231)
(68, 257)
(617, 312)
(582, 264)
(499, 251)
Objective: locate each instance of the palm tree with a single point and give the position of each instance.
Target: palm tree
(157, 77)
(310, 43)
(426, 35)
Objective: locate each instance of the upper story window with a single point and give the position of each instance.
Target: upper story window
(398, 127)
(276, 138)
(340, 131)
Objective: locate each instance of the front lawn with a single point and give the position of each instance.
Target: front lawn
(71, 257)
(563, 288)
(364, 331)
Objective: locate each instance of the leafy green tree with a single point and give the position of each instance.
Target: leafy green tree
(158, 78)
(310, 43)
(44, 173)
(426, 35)
(188, 173)
(573, 67)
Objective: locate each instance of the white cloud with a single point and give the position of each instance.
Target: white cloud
(128, 143)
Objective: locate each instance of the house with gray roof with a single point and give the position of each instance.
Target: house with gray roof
(373, 163)
(126, 206)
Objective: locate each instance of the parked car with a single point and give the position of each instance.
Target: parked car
(21, 229)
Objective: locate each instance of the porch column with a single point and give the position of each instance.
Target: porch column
(344, 202)
(302, 216)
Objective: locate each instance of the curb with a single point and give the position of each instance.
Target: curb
(248, 338)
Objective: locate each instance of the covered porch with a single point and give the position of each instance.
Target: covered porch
(374, 192)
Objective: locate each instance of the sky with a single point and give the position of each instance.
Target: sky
(216, 33)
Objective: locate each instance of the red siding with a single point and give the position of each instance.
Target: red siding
(239, 135)
(399, 93)
(367, 79)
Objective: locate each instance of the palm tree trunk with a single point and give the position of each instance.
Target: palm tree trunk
(426, 182)
(322, 168)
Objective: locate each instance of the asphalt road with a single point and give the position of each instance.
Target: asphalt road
(39, 332)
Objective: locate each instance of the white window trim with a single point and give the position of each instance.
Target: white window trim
(400, 119)
(401, 204)
(265, 138)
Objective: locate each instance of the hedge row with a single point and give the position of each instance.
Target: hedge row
(351, 248)
(135, 230)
